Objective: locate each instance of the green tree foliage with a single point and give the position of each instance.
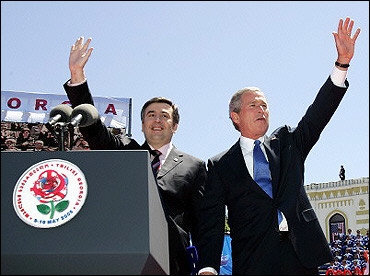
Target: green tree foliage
(227, 227)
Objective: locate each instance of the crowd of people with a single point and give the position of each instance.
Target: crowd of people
(16, 136)
(350, 252)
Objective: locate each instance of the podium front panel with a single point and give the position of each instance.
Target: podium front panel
(120, 229)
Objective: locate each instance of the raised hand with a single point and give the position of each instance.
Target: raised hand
(345, 41)
(78, 57)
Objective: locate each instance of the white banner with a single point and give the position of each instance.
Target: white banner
(33, 107)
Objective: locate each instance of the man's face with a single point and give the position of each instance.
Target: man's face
(253, 118)
(157, 125)
(38, 145)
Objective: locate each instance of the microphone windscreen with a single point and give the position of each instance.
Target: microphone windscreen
(64, 110)
(89, 114)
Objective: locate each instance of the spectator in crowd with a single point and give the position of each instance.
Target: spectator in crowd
(39, 146)
(6, 131)
(345, 267)
(365, 240)
(24, 140)
(10, 145)
(357, 268)
(36, 131)
(348, 254)
(366, 261)
(357, 248)
(81, 144)
(350, 235)
(347, 244)
(15, 126)
(332, 269)
(339, 235)
(50, 141)
(118, 131)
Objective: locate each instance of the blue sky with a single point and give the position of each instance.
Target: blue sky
(199, 53)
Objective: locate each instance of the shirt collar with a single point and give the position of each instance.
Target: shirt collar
(165, 150)
(248, 144)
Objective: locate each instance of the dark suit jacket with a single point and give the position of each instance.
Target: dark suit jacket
(180, 181)
(252, 213)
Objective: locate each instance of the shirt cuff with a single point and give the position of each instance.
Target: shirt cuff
(338, 77)
(208, 269)
(76, 84)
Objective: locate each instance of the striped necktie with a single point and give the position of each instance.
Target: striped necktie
(155, 162)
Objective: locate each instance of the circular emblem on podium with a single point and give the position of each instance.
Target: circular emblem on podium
(50, 193)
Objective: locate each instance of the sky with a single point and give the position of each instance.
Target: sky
(199, 53)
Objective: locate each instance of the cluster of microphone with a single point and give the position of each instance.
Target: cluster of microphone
(82, 115)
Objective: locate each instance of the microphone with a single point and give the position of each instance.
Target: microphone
(61, 113)
(84, 115)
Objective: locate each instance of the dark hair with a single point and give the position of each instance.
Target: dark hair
(175, 109)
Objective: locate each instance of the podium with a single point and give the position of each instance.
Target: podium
(120, 229)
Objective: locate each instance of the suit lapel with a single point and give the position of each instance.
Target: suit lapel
(145, 146)
(173, 159)
(236, 164)
(277, 172)
(236, 161)
(273, 153)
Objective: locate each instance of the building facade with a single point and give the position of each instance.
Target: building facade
(341, 205)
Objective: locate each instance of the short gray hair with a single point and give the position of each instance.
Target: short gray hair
(235, 103)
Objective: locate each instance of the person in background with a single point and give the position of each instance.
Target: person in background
(24, 140)
(342, 173)
(260, 244)
(50, 141)
(118, 131)
(181, 176)
(6, 133)
(81, 144)
(39, 146)
(10, 145)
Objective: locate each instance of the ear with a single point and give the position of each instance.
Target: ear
(234, 117)
(174, 128)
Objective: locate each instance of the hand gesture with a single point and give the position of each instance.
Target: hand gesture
(78, 57)
(345, 41)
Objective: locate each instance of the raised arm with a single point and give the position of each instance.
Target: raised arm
(78, 57)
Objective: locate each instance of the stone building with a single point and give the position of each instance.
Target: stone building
(341, 205)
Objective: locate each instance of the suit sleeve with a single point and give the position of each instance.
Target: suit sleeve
(97, 135)
(318, 115)
(211, 216)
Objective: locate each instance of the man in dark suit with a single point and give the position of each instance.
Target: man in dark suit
(181, 177)
(260, 245)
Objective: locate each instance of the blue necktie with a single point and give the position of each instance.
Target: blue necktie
(261, 172)
(156, 162)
